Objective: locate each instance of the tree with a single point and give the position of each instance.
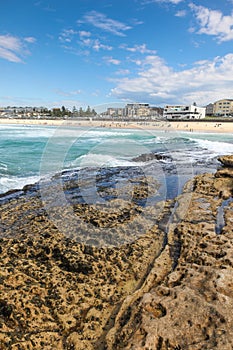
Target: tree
(74, 110)
(93, 112)
(88, 111)
(56, 112)
(80, 112)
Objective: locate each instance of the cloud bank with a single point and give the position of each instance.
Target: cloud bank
(213, 22)
(157, 83)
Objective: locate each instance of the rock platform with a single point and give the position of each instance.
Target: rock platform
(170, 288)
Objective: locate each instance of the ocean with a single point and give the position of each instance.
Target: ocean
(29, 153)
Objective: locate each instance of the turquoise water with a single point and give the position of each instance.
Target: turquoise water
(31, 152)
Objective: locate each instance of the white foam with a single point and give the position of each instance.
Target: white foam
(100, 160)
(27, 131)
(216, 147)
(100, 133)
(13, 182)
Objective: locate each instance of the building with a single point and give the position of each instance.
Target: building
(223, 108)
(134, 111)
(210, 109)
(115, 112)
(137, 110)
(184, 112)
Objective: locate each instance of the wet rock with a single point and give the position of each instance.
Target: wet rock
(226, 160)
(146, 157)
(226, 172)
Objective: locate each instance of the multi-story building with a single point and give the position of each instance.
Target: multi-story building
(115, 112)
(184, 112)
(132, 110)
(137, 110)
(210, 109)
(223, 107)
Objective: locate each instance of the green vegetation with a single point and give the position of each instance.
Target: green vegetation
(75, 113)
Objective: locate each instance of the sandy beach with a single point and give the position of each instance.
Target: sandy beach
(192, 126)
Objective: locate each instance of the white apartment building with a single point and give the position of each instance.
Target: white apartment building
(223, 107)
(184, 112)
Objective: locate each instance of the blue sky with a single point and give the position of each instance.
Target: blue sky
(111, 52)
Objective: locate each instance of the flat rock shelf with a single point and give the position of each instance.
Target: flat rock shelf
(170, 287)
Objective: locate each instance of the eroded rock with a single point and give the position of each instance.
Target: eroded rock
(226, 160)
(168, 288)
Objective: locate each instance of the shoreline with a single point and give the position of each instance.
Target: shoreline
(188, 126)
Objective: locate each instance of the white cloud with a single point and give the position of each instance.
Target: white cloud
(138, 48)
(9, 55)
(97, 45)
(67, 35)
(101, 21)
(9, 42)
(122, 72)
(181, 13)
(13, 48)
(30, 40)
(162, 1)
(136, 22)
(83, 33)
(206, 81)
(111, 60)
(87, 42)
(94, 44)
(213, 22)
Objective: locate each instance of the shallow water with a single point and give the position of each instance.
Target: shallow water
(31, 152)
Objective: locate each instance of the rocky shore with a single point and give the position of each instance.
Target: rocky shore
(168, 288)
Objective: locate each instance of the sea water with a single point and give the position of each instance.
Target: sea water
(29, 153)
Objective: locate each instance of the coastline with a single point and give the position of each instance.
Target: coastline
(187, 126)
(88, 276)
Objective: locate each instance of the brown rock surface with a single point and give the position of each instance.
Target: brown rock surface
(226, 160)
(56, 293)
(191, 307)
(170, 288)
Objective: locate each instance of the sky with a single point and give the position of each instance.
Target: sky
(106, 53)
